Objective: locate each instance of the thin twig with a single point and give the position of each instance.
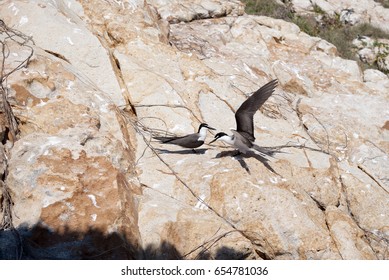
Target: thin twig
(364, 170)
(174, 173)
(7, 36)
(299, 115)
(207, 245)
(169, 106)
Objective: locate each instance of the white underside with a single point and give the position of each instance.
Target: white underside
(228, 139)
(237, 144)
(202, 133)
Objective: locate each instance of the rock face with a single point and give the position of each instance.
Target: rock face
(350, 11)
(67, 172)
(373, 51)
(87, 180)
(176, 11)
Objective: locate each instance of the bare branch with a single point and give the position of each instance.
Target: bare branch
(10, 38)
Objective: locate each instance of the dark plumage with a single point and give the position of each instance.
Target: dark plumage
(190, 141)
(243, 137)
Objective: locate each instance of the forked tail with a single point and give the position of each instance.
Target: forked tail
(164, 139)
(264, 152)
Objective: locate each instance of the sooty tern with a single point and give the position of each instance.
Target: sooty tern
(243, 137)
(191, 141)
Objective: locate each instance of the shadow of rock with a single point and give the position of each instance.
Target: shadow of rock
(40, 243)
(164, 251)
(183, 152)
(227, 253)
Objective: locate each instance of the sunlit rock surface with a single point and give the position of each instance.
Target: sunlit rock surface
(350, 11)
(85, 168)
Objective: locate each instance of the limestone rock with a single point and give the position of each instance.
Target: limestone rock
(363, 11)
(349, 238)
(375, 223)
(363, 42)
(184, 11)
(383, 62)
(67, 37)
(68, 174)
(348, 16)
(85, 171)
(367, 56)
(375, 76)
(222, 41)
(373, 51)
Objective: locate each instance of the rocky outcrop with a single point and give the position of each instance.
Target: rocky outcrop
(370, 51)
(373, 52)
(351, 12)
(185, 11)
(87, 180)
(68, 173)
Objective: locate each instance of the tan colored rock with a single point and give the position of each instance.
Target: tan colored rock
(348, 16)
(373, 52)
(219, 47)
(367, 56)
(67, 37)
(85, 166)
(349, 238)
(365, 10)
(69, 172)
(364, 193)
(215, 45)
(383, 62)
(184, 11)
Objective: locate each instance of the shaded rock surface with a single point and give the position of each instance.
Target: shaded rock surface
(88, 181)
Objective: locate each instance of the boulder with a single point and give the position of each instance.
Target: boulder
(368, 11)
(88, 181)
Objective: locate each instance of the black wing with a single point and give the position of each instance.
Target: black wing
(165, 139)
(244, 115)
(188, 141)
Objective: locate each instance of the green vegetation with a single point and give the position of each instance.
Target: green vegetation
(267, 8)
(329, 28)
(317, 9)
(384, 3)
(343, 35)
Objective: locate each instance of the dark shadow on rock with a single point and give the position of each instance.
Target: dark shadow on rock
(183, 152)
(270, 152)
(240, 158)
(41, 243)
(237, 156)
(227, 253)
(164, 251)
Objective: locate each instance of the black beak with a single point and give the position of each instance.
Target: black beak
(213, 140)
(211, 128)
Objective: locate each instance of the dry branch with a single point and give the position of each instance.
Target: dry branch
(10, 38)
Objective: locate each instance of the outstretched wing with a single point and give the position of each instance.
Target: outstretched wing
(244, 115)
